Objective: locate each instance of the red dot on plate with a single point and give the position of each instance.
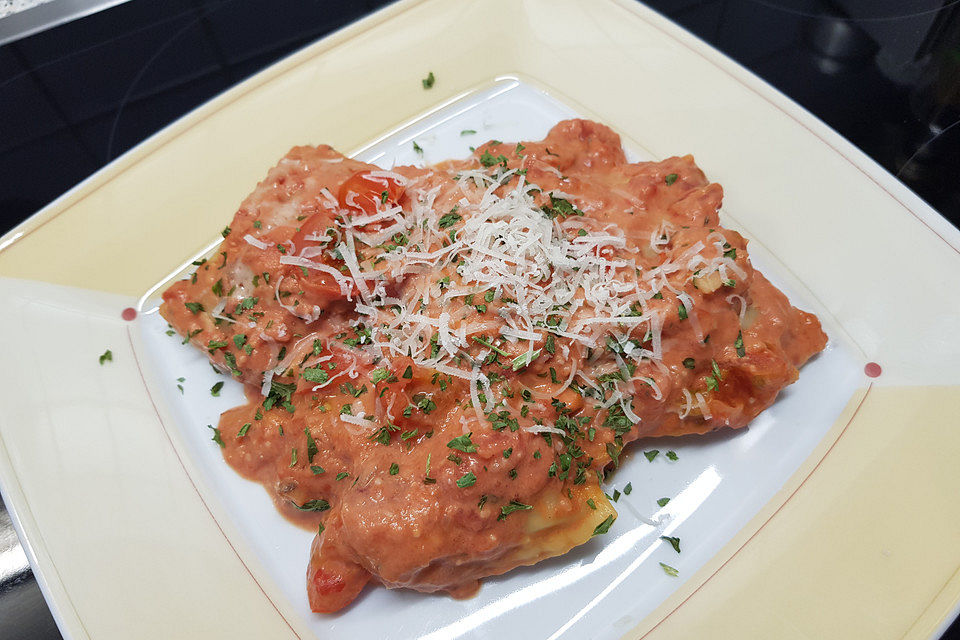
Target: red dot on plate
(872, 369)
(129, 314)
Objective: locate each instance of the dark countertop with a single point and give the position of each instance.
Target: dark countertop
(883, 73)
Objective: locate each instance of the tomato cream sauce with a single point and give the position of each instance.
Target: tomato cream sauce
(442, 363)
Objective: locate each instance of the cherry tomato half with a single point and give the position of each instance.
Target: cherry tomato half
(363, 193)
(319, 286)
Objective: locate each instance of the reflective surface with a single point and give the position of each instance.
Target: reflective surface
(882, 73)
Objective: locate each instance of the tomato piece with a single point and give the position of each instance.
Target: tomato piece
(326, 584)
(363, 193)
(360, 194)
(319, 286)
(312, 231)
(332, 581)
(331, 588)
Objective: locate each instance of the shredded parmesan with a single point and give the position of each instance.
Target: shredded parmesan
(515, 277)
(259, 244)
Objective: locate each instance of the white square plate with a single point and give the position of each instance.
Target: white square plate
(599, 590)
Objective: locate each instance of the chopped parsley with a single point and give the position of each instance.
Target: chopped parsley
(215, 389)
(524, 359)
(231, 361)
(512, 506)
(379, 374)
(106, 356)
(650, 455)
(315, 374)
(467, 480)
(194, 307)
(713, 382)
(216, 436)
(280, 393)
(614, 452)
(487, 159)
(463, 443)
(318, 504)
(671, 455)
(426, 476)
(674, 542)
(447, 220)
(738, 345)
(429, 81)
(670, 571)
(690, 363)
(214, 345)
(490, 345)
(311, 445)
(560, 208)
(662, 501)
(604, 526)
(671, 178)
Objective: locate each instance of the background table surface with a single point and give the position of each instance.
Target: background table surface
(884, 73)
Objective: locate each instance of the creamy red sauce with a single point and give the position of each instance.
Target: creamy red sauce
(413, 399)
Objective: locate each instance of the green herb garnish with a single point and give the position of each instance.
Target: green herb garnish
(318, 504)
(674, 542)
(604, 526)
(216, 436)
(463, 443)
(513, 505)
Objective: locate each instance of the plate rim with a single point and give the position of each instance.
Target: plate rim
(869, 168)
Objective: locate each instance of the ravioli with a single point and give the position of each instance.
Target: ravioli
(444, 362)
